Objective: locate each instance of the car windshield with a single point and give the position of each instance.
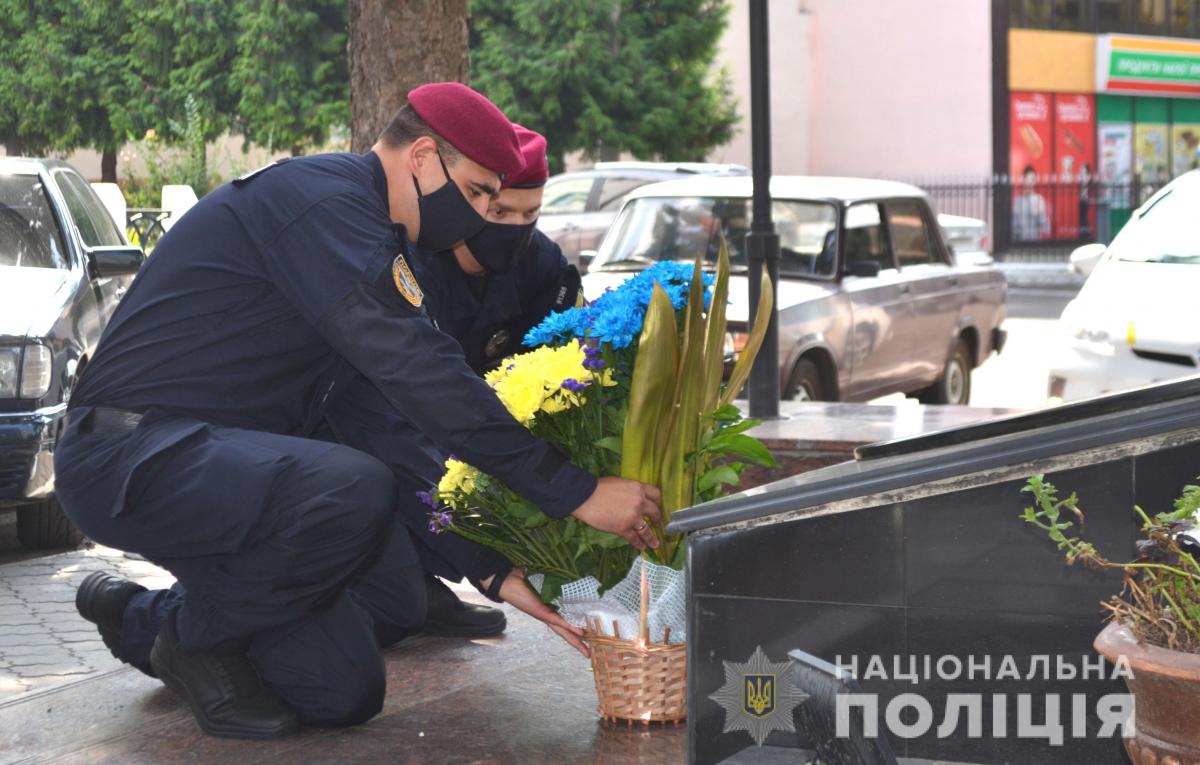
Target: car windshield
(651, 229)
(1166, 232)
(29, 236)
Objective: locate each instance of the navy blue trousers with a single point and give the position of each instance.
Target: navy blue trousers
(292, 546)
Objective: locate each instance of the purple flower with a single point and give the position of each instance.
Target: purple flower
(574, 385)
(593, 356)
(427, 499)
(440, 520)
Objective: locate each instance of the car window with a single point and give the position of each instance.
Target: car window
(95, 224)
(1165, 231)
(678, 228)
(910, 239)
(566, 196)
(865, 237)
(613, 191)
(29, 235)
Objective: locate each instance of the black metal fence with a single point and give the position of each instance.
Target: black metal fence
(1041, 219)
(144, 226)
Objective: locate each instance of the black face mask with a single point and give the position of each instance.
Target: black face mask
(498, 246)
(446, 216)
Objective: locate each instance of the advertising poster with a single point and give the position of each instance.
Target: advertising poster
(1185, 148)
(1031, 163)
(1116, 162)
(1150, 159)
(1075, 166)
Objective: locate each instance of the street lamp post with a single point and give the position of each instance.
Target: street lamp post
(762, 243)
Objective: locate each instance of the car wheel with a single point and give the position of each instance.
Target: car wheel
(954, 386)
(43, 525)
(805, 383)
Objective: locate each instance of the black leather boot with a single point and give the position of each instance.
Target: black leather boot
(101, 599)
(223, 689)
(447, 616)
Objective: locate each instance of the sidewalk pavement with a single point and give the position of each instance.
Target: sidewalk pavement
(524, 697)
(43, 641)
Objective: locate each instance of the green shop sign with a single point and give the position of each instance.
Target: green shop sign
(1149, 65)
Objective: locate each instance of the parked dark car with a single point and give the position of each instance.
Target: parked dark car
(579, 206)
(64, 265)
(871, 300)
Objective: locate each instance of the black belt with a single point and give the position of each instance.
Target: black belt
(105, 419)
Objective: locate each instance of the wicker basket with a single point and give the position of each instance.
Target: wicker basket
(637, 680)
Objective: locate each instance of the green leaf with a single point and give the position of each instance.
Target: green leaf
(740, 445)
(726, 413)
(651, 392)
(762, 315)
(612, 443)
(721, 474)
(551, 587)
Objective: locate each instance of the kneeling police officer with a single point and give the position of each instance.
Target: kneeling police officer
(185, 439)
(486, 293)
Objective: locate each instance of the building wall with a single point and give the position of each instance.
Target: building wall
(876, 88)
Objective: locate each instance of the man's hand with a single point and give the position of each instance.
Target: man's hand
(623, 507)
(516, 592)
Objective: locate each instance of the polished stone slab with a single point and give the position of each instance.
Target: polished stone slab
(525, 697)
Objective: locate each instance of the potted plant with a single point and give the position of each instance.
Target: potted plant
(633, 385)
(1154, 622)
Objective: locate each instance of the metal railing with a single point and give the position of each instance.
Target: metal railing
(1045, 219)
(144, 226)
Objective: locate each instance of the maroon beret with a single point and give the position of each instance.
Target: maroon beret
(470, 123)
(533, 149)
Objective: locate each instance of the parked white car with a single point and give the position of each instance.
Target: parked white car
(1134, 321)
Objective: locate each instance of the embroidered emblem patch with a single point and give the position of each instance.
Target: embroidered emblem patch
(406, 283)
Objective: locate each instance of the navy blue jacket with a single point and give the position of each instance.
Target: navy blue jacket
(489, 315)
(269, 286)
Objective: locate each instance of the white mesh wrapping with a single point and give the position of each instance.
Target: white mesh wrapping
(580, 603)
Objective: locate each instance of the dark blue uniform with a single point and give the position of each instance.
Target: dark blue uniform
(488, 316)
(226, 341)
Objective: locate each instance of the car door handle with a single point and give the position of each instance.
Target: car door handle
(953, 281)
(904, 289)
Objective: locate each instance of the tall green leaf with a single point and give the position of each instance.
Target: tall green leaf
(651, 391)
(678, 475)
(741, 370)
(714, 345)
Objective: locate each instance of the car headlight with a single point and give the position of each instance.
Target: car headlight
(25, 372)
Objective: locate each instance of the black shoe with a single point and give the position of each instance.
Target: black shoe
(223, 689)
(447, 616)
(101, 599)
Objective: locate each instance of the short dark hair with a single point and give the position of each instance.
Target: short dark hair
(406, 126)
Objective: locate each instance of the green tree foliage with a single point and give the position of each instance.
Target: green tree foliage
(290, 72)
(607, 77)
(58, 86)
(102, 72)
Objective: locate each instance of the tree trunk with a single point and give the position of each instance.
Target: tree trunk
(108, 166)
(395, 46)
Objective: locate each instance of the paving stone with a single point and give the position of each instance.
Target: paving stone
(27, 671)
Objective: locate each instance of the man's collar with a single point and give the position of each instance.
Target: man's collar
(380, 178)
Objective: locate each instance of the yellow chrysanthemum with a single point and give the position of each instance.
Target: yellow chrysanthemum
(458, 480)
(533, 382)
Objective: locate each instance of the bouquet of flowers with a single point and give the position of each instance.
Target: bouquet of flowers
(633, 385)
(630, 385)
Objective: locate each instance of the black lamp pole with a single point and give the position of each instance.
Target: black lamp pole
(762, 243)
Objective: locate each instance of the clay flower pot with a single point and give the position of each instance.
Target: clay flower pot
(1166, 690)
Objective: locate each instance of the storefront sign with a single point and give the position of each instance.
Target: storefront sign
(1147, 65)
(1031, 163)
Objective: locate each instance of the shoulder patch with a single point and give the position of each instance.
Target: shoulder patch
(406, 283)
(247, 177)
